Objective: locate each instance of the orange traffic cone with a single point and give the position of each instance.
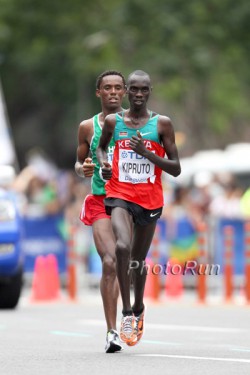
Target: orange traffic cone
(153, 285)
(39, 292)
(72, 260)
(174, 279)
(53, 282)
(45, 285)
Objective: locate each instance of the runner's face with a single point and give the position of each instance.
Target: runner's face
(138, 91)
(111, 92)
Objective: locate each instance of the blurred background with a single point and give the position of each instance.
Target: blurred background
(197, 54)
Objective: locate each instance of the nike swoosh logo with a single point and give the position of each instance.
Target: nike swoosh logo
(145, 133)
(152, 215)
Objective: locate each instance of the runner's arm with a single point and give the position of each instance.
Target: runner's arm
(84, 166)
(101, 151)
(170, 165)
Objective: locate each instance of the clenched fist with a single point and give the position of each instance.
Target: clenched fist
(88, 167)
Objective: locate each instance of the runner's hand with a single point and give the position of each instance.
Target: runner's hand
(138, 134)
(106, 170)
(136, 144)
(88, 167)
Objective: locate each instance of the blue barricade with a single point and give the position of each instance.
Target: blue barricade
(177, 239)
(238, 246)
(42, 236)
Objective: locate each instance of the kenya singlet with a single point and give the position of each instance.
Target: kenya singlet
(97, 184)
(134, 177)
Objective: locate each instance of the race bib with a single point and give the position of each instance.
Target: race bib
(134, 168)
(110, 154)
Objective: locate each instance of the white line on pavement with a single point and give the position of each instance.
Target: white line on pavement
(196, 358)
(173, 327)
(241, 349)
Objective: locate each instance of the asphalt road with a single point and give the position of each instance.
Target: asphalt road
(181, 337)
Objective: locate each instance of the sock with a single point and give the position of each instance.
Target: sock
(112, 330)
(137, 313)
(126, 313)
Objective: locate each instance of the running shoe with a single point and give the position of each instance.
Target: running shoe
(127, 333)
(139, 327)
(112, 342)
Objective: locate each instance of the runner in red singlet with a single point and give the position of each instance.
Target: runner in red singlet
(134, 190)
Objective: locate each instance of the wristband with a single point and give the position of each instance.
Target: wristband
(100, 174)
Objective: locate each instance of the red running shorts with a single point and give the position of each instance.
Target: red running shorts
(93, 209)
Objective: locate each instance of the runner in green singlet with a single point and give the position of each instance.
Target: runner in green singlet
(110, 88)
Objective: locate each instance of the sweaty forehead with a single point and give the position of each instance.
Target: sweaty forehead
(139, 80)
(112, 80)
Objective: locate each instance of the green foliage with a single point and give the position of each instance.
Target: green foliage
(197, 53)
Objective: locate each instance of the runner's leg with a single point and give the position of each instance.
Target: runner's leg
(105, 245)
(142, 239)
(122, 224)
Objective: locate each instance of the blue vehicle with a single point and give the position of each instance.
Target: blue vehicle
(11, 259)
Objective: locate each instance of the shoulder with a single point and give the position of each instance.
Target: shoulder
(85, 131)
(87, 124)
(162, 120)
(110, 120)
(165, 122)
(111, 117)
(86, 127)
(165, 126)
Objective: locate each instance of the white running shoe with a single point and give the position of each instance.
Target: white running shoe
(113, 342)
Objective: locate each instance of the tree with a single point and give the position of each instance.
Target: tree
(196, 52)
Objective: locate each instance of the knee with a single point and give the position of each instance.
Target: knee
(108, 265)
(122, 250)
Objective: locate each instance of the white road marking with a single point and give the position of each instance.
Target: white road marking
(96, 322)
(192, 328)
(173, 327)
(195, 358)
(241, 349)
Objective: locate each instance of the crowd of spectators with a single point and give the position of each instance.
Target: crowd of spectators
(44, 190)
(208, 195)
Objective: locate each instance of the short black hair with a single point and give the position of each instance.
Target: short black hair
(138, 73)
(109, 73)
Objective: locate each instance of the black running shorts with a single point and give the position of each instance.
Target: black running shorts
(140, 215)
